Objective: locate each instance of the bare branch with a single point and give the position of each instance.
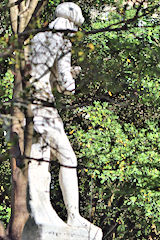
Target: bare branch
(39, 7)
(24, 7)
(31, 9)
(24, 10)
(14, 15)
(22, 17)
(116, 27)
(125, 23)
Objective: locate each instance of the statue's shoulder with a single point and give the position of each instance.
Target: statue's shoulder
(47, 37)
(40, 37)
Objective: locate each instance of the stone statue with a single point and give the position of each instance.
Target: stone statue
(51, 67)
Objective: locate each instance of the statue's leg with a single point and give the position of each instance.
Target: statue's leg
(39, 180)
(53, 138)
(69, 180)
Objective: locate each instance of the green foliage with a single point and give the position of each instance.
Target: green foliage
(124, 164)
(48, 13)
(5, 172)
(5, 179)
(6, 87)
(5, 213)
(148, 90)
(120, 56)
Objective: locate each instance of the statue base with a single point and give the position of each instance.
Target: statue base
(32, 231)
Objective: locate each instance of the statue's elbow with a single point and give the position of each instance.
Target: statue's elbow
(67, 89)
(70, 89)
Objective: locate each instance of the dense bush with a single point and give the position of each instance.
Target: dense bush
(122, 166)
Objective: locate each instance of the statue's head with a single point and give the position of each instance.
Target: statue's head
(70, 11)
(68, 16)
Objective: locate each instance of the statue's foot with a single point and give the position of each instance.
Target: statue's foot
(95, 233)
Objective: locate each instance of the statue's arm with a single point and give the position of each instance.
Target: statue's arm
(65, 73)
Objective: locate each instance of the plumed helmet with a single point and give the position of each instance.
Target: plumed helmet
(70, 11)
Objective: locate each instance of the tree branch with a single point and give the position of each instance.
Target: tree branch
(31, 9)
(111, 28)
(14, 15)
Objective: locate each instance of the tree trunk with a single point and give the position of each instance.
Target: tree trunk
(19, 213)
(21, 136)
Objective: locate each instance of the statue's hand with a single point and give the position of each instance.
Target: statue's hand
(75, 71)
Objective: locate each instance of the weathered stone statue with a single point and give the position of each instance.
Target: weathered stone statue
(51, 66)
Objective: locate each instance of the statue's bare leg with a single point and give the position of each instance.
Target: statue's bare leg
(69, 186)
(39, 181)
(69, 183)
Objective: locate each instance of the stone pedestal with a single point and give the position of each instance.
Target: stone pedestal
(32, 231)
